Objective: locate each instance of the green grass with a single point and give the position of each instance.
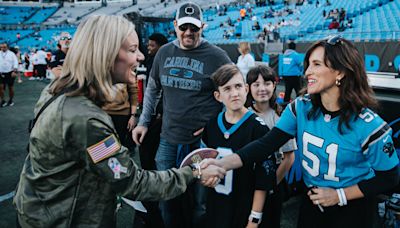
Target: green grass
(13, 140)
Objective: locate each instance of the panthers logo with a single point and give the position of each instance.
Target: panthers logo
(196, 158)
(388, 148)
(269, 166)
(395, 125)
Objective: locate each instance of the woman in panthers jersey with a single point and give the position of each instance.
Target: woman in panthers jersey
(347, 152)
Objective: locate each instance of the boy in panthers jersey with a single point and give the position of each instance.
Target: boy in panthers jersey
(229, 204)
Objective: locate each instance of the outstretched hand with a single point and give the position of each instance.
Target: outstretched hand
(212, 171)
(210, 161)
(211, 181)
(227, 163)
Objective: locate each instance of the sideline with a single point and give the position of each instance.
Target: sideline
(7, 196)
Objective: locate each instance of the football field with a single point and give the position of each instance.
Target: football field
(13, 141)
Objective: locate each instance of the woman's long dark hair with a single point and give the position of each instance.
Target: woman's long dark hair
(355, 93)
(268, 74)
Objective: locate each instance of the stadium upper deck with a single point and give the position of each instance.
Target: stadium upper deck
(33, 26)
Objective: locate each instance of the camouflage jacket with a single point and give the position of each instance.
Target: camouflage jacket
(76, 167)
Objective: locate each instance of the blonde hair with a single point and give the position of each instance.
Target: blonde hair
(244, 48)
(90, 60)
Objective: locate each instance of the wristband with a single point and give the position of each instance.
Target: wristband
(196, 166)
(134, 115)
(342, 197)
(255, 217)
(198, 169)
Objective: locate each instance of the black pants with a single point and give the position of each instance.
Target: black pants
(120, 124)
(150, 144)
(7, 79)
(273, 207)
(357, 213)
(291, 82)
(17, 225)
(41, 70)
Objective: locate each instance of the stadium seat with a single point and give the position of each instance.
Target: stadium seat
(265, 58)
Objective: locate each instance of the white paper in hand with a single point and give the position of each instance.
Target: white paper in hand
(137, 205)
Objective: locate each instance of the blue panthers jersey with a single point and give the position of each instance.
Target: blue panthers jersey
(331, 159)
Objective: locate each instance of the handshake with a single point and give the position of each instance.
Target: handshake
(210, 172)
(209, 169)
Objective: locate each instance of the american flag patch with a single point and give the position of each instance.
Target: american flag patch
(103, 149)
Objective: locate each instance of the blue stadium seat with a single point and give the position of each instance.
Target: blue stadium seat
(377, 17)
(265, 58)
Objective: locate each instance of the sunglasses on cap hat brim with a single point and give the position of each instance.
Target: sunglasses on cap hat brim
(66, 38)
(334, 39)
(192, 27)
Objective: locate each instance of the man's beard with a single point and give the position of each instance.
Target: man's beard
(65, 46)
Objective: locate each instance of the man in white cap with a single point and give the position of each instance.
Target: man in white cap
(182, 70)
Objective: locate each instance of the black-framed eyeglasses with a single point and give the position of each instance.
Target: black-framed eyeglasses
(66, 38)
(333, 40)
(192, 28)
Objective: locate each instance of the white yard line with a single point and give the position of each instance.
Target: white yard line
(7, 196)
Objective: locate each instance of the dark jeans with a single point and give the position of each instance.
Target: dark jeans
(291, 82)
(41, 70)
(188, 209)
